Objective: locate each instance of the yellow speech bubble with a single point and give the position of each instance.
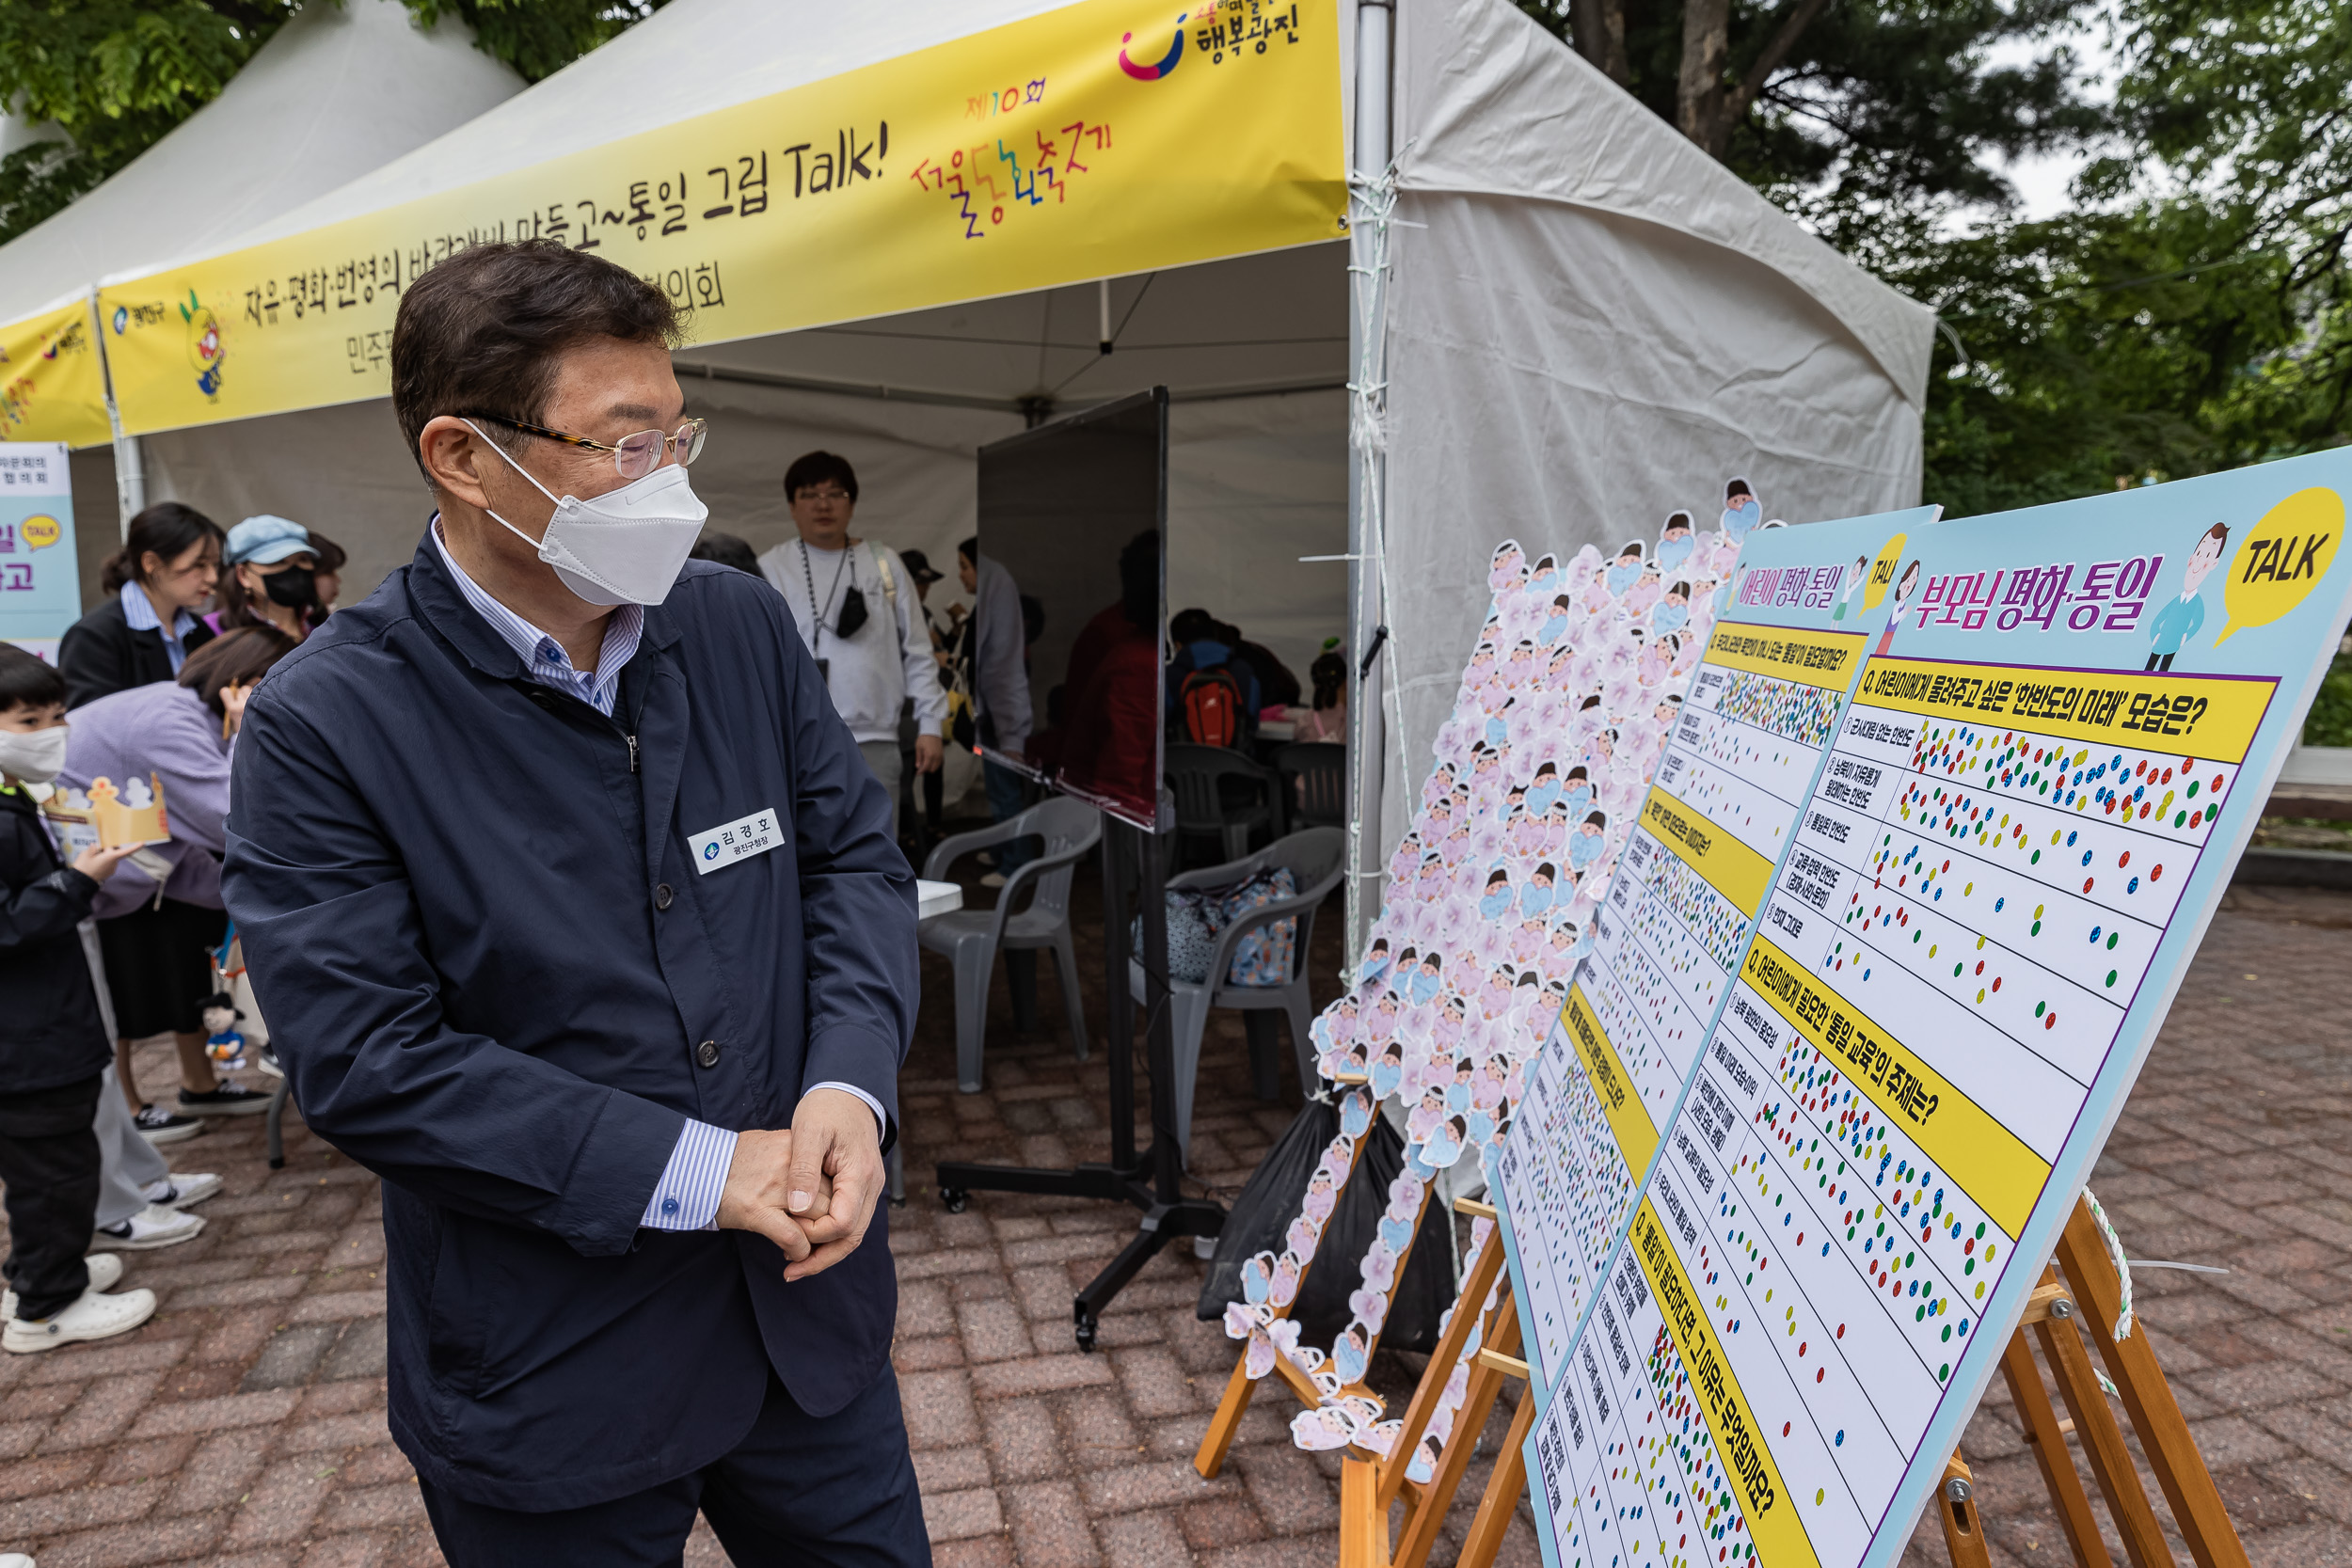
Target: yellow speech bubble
(1883, 571)
(2283, 558)
(41, 532)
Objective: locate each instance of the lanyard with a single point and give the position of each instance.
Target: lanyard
(815, 616)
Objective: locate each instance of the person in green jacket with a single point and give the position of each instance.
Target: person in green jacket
(2184, 617)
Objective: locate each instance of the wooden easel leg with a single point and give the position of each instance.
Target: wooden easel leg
(2163, 1436)
(2050, 1452)
(1502, 1489)
(1363, 1522)
(1956, 1505)
(2102, 1444)
(1230, 1410)
(1478, 1403)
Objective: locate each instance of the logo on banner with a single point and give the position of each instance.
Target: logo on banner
(204, 345)
(2283, 560)
(39, 531)
(1164, 66)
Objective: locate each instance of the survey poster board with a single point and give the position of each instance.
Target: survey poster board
(2063, 728)
(41, 575)
(1759, 716)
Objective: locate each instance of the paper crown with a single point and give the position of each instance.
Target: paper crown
(134, 815)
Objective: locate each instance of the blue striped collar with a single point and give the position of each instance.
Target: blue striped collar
(541, 653)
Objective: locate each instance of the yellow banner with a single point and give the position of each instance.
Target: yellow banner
(1104, 139)
(1816, 657)
(2196, 715)
(1636, 1134)
(1730, 867)
(52, 386)
(1990, 1163)
(1780, 1536)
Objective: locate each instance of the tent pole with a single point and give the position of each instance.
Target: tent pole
(130, 473)
(1367, 474)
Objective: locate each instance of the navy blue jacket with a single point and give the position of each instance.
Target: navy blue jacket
(492, 974)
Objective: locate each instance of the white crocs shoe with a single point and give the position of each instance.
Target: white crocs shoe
(105, 1273)
(16, 1560)
(151, 1227)
(96, 1316)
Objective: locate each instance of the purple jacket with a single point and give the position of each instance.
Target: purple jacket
(163, 729)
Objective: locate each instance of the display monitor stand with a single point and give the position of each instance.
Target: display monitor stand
(1150, 1179)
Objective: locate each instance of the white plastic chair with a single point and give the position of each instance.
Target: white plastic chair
(972, 937)
(1313, 858)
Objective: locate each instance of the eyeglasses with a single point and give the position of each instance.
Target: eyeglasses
(835, 496)
(634, 457)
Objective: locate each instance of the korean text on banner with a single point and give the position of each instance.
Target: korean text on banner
(52, 386)
(40, 578)
(1104, 139)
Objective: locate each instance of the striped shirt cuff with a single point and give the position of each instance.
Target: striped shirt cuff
(686, 1196)
(881, 1123)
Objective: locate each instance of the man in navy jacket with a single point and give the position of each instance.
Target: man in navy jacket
(576, 916)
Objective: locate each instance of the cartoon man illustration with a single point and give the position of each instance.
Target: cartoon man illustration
(1859, 574)
(2184, 617)
(1675, 543)
(1741, 511)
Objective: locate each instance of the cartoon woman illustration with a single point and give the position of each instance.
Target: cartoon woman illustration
(1627, 570)
(1741, 511)
(1658, 659)
(1382, 1024)
(1441, 784)
(1322, 1197)
(1527, 940)
(1521, 668)
(1597, 594)
(1285, 1288)
(1426, 1116)
(1671, 612)
(2184, 617)
(1645, 592)
(1675, 543)
(1586, 845)
(1302, 1236)
(1514, 801)
(1903, 591)
(1447, 1031)
(1506, 571)
(1856, 576)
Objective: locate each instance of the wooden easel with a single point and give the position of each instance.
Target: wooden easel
(2079, 1282)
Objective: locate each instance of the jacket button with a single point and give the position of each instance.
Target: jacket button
(662, 896)
(707, 1052)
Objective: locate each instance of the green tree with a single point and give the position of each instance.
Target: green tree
(1852, 114)
(114, 75)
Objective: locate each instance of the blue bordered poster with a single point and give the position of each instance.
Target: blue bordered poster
(2058, 733)
(40, 578)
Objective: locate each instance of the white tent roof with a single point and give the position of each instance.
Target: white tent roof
(337, 91)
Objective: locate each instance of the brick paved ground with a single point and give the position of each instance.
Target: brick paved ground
(244, 1425)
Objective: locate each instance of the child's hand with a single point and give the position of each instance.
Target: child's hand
(97, 862)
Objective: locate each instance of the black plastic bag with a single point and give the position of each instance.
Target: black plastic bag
(1271, 1200)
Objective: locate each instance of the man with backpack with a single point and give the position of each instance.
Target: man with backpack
(1213, 691)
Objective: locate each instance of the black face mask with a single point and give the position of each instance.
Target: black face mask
(295, 588)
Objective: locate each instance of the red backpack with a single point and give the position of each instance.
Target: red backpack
(1210, 701)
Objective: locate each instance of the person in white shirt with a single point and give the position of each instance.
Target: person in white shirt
(857, 609)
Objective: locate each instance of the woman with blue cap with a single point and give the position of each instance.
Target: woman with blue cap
(269, 576)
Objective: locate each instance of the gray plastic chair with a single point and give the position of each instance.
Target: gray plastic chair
(1207, 804)
(971, 937)
(1314, 783)
(1315, 860)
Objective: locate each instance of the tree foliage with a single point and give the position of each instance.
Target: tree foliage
(112, 76)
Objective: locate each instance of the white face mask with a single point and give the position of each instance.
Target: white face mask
(36, 757)
(623, 548)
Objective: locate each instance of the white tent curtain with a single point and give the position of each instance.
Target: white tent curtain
(1592, 324)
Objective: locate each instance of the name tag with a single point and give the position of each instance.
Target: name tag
(755, 834)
